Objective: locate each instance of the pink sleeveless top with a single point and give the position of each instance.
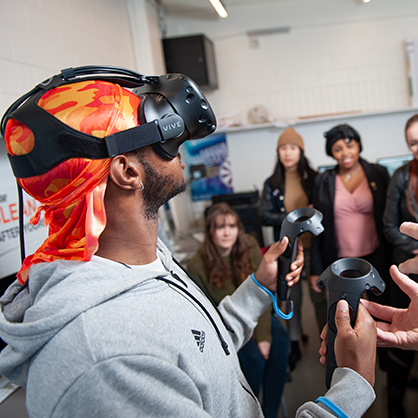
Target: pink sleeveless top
(355, 227)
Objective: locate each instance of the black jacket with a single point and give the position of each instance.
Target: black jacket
(272, 210)
(397, 212)
(324, 249)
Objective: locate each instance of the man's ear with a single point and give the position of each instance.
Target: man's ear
(126, 172)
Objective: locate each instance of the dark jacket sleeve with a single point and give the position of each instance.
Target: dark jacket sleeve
(323, 247)
(397, 212)
(378, 179)
(268, 215)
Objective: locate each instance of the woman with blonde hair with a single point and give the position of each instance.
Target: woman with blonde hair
(402, 206)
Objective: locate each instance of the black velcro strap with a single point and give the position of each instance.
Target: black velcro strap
(56, 142)
(133, 139)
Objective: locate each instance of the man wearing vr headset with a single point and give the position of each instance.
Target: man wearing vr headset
(102, 321)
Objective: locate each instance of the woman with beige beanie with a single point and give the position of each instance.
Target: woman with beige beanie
(289, 188)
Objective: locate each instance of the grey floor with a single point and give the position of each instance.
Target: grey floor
(307, 380)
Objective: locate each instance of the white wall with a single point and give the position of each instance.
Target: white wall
(39, 38)
(339, 56)
(253, 152)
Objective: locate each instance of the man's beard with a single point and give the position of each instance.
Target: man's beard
(159, 189)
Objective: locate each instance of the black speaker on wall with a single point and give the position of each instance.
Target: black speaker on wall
(193, 56)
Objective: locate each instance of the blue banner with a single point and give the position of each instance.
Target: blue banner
(209, 167)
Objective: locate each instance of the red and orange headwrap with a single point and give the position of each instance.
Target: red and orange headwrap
(72, 193)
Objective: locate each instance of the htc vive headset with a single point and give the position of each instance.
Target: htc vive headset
(172, 110)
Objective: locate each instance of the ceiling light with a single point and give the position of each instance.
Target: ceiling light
(271, 31)
(220, 9)
(366, 1)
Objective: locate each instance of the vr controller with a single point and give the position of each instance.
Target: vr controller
(296, 223)
(347, 278)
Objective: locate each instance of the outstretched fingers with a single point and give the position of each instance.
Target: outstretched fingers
(407, 285)
(296, 267)
(385, 313)
(410, 229)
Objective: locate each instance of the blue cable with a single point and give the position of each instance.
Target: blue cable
(272, 295)
(332, 407)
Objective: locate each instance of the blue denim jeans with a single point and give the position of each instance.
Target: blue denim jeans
(270, 374)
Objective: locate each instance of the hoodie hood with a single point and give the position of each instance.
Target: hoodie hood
(57, 293)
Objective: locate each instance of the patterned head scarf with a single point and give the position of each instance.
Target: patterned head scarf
(72, 193)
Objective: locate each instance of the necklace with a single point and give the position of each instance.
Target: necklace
(349, 175)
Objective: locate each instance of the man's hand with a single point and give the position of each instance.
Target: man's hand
(355, 348)
(267, 271)
(411, 265)
(400, 328)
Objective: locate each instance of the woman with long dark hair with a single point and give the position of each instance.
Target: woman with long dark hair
(227, 256)
(401, 206)
(289, 188)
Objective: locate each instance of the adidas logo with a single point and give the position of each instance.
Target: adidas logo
(200, 338)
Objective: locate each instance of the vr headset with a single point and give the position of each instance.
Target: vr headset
(172, 110)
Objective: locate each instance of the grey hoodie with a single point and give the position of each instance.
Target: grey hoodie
(102, 339)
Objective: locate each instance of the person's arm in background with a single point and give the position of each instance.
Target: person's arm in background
(268, 216)
(352, 383)
(196, 268)
(400, 326)
(262, 332)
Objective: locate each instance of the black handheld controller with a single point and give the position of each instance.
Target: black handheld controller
(296, 223)
(347, 278)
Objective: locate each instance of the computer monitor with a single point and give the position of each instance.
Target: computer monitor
(323, 168)
(392, 163)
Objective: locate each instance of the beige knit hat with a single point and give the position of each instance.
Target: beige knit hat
(290, 136)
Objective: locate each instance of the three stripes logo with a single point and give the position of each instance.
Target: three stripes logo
(200, 338)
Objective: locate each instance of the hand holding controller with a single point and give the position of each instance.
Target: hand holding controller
(296, 223)
(347, 278)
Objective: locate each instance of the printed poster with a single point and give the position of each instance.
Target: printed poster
(208, 166)
(10, 260)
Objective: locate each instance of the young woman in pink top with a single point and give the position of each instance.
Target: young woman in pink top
(352, 198)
